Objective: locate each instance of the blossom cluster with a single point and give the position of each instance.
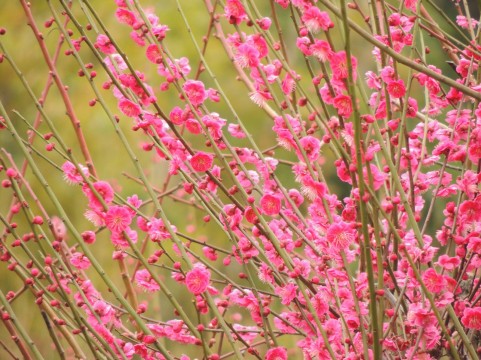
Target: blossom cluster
(366, 272)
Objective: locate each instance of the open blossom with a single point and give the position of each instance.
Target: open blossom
(265, 274)
(160, 31)
(472, 318)
(193, 126)
(236, 131)
(464, 22)
(287, 293)
(177, 116)
(469, 183)
(105, 312)
(321, 50)
(125, 16)
(195, 91)
(340, 235)
(115, 63)
(466, 67)
(157, 230)
(129, 108)
(303, 44)
(378, 177)
(247, 333)
(339, 65)
(118, 218)
(72, 175)
(95, 217)
(412, 108)
(396, 88)
(135, 202)
(138, 38)
(103, 44)
(80, 261)
(102, 188)
(288, 84)
(474, 243)
(197, 280)
(259, 97)
(250, 215)
(316, 20)
(153, 54)
(202, 161)
(470, 211)
(209, 253)
(174, 330)
(449, 263)
(121, 239)
(434, 282)
(343, 104)
(235, 12)
(270, 204)
(145, 281)
(232, 217)
(474, 150)
(311, 146)
(247, 56)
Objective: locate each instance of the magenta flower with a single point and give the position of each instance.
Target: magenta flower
(340, 235)
(157, 230)
(311, 146)
(247, 56)
(236, 131)
(195, 91)
(153, 54)
(177, 116)
(80, 261)
(316, 20)
(197, 280)
(72, 175)
(283, 3)
(235, 12)
(103, 44)
(287, 293)
(88, 236)
(277, 353)
(118, 218)
(396, 88)
(470, 211)
(125, 16)
(264, 23)
(343, 104)
(321, 50)
(129, 108)
(120, 238)
(202, 161)
(105, 191)
(145, 281)
(338, 62)
(449, 263)
(193, 126)
(434, 282)
(474, 151)
(270, 204)
(288, 84)
(472, 318)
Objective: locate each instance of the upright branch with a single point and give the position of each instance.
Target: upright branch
(283, 179)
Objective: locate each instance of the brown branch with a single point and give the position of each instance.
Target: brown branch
(60, 86)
